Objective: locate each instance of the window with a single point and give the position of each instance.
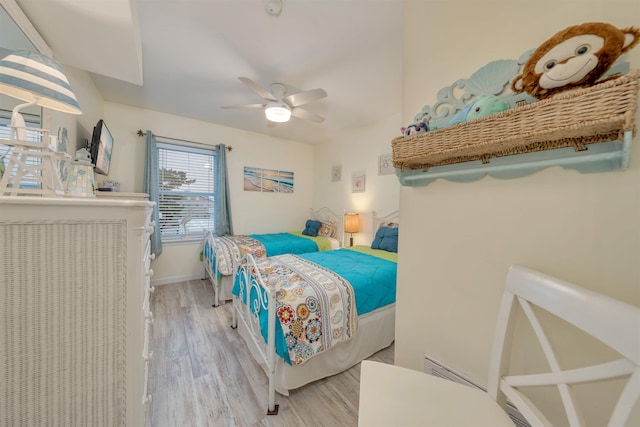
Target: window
(32, 121)
(186, 198)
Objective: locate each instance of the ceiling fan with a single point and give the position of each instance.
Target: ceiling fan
(279, 106)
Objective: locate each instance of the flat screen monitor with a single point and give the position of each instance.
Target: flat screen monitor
(101, 148)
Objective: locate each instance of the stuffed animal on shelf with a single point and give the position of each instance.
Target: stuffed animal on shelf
(415, 128)
(482, 106)
(577, 56)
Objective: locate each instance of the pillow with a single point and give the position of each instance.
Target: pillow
(311, 228)
(386, 239)
(328, 229)
(387, 224)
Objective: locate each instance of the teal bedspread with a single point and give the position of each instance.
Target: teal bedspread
(285, 243)
(372, 278)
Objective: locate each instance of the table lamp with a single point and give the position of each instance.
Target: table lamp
(38, 80)
(351, 225)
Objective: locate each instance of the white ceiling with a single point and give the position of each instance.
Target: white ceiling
(184, 57)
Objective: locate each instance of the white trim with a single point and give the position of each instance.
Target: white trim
(22, 22)
(176, 279)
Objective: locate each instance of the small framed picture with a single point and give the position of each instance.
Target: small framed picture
(358, 182)
(336, 173)
(385, 164)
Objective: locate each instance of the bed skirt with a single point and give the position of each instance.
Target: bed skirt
(376, 331)
(226, 285)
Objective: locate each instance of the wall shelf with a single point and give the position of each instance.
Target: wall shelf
(602, 157)
(588, 129)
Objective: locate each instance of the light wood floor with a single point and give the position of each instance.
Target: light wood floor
(201, 374)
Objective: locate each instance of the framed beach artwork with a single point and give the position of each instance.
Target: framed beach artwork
(358, 182)
(267, 180)
(385, 164)
(285, 182)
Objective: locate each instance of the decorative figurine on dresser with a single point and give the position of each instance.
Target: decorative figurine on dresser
(81, 182)
(63, 141)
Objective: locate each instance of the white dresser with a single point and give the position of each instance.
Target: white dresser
(75, 320)
(121, 195)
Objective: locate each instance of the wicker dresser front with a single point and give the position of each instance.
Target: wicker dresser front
(72, 282)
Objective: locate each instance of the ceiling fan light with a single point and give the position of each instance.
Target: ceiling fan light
(279, 113)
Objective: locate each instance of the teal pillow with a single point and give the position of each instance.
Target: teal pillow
(386, 239)
(311, 228)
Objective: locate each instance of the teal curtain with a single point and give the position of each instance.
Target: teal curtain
(151, 188)
(223, 222)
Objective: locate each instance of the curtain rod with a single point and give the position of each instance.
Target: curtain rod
(142, 133)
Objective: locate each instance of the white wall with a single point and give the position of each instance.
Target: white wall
(252, 212)
(583, 228)
(79, 127)
(358, 150)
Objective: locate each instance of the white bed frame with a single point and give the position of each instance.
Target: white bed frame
(222, 287)
(376, 330)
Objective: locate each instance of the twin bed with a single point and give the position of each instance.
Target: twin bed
(221, 254)
(308, 316)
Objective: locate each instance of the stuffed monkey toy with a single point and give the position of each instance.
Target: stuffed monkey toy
(575, 57)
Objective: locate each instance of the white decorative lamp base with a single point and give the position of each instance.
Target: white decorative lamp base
(32, 166)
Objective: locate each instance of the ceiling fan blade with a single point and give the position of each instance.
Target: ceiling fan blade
(306, 115)
(257, 89)
(227, 107)
(304, 97)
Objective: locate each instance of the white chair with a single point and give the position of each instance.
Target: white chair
(396, 396)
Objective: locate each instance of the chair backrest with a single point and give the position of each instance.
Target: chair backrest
(612, 322)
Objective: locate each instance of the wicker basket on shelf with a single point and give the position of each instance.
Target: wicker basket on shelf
(574, 118)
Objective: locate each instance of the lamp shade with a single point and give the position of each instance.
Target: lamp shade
(351, 223)
(278, 113)
(35, 78)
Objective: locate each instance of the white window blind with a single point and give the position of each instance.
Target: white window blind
(186, 182)
(5, 124)
(5, 150)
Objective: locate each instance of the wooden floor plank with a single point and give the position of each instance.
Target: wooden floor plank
(202, 375)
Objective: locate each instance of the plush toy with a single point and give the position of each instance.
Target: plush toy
(482, 106)
(577, 56)
(416, 128)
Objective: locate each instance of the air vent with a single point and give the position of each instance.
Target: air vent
(437, 369)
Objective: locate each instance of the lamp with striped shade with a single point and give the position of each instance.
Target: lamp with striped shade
(38, 80)
(32, 164)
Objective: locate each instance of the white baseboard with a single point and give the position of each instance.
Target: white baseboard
(176, 279)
